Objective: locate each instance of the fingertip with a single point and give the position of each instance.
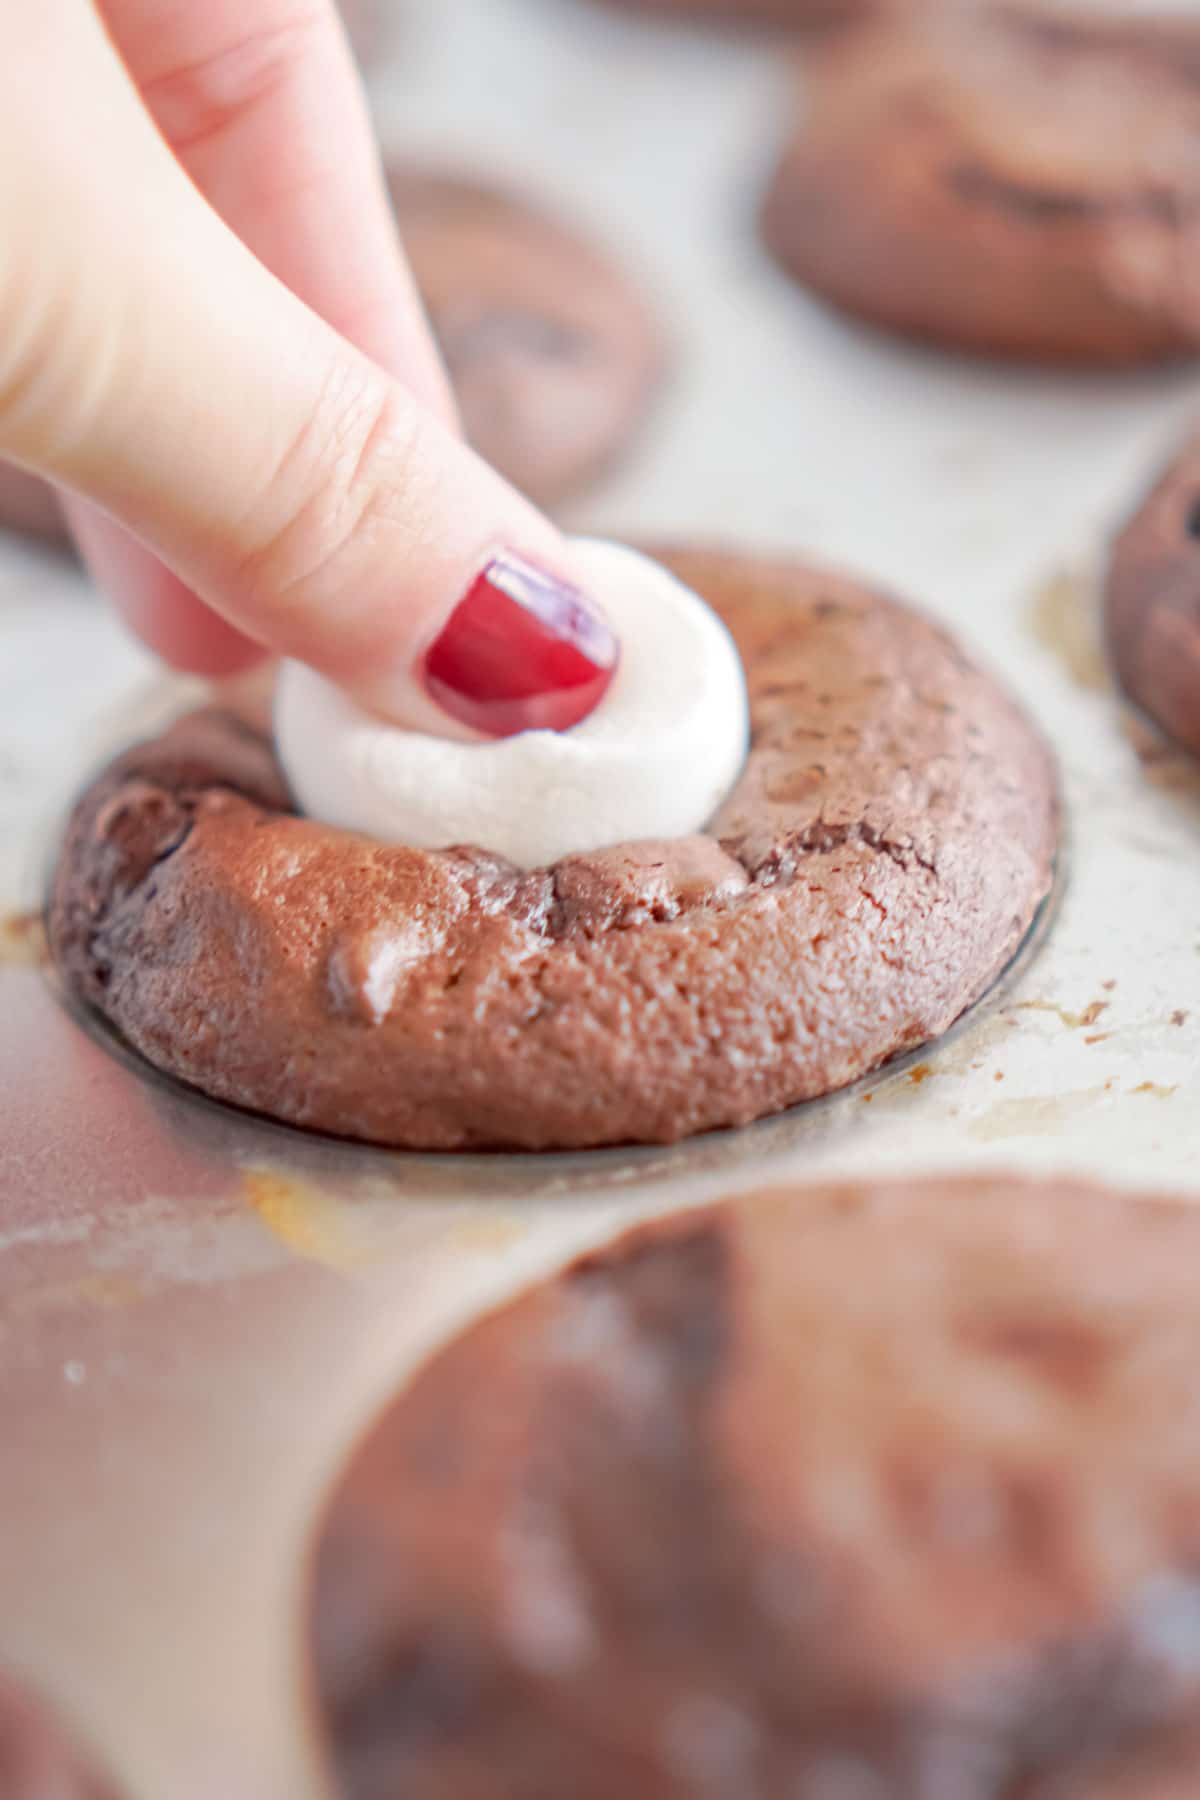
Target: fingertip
(196, 641)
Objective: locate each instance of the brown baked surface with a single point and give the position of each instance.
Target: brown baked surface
(553, 354)
(888, 1492)
(1025, 186)
(36, 1762)
(879, 862)
(1152, 601)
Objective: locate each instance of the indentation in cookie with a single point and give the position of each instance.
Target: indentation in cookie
(875, 868)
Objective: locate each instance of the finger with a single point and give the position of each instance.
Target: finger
(149, 362)
(164, 612)
(264, 109)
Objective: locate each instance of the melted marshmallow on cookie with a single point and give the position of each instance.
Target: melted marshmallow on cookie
(654, 760)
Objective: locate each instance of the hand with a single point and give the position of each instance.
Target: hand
(210, 339)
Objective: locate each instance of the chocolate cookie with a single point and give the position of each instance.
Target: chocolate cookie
(1018, 183)
(880, 860)
(885, 1491)
(1152, 601)
(36, 1762)
(553, 355)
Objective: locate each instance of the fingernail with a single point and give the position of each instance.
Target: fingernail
(522, 651)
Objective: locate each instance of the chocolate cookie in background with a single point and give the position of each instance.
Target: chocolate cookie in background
(879, 862)
(27, 504)
(887, 1490)
(1018, 182)
(36, 1760)
(553, 353)
(1152, 601)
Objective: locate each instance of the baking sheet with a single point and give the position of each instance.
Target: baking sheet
(199, 1311)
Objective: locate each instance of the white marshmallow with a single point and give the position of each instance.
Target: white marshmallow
(654, 760)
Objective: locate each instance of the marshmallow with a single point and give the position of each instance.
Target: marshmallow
(655, 759)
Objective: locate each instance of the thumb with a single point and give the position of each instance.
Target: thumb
(156, 368)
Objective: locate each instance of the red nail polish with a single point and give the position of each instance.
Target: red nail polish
(523, 651)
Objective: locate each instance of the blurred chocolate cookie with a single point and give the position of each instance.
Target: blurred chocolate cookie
(27, 504)
(883, 1490)
(553, 354)
(36, 1761)
(1014, 182)
(1152, 601)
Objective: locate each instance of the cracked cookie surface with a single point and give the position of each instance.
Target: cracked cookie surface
(1019, 183)
(879, 862)
(887, 1490)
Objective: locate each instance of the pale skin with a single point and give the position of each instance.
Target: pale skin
(210, 340)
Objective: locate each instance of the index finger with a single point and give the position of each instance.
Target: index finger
(264, 109)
